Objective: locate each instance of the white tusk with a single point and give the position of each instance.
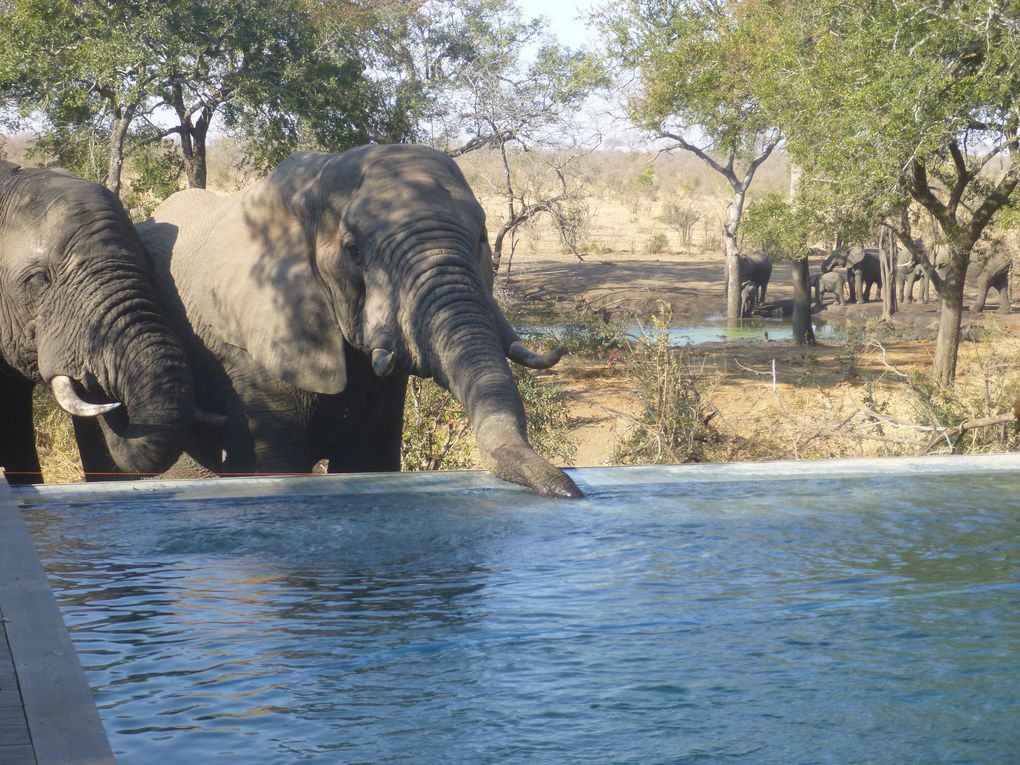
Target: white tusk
(70, 401)
(383, 361)
(522, 355)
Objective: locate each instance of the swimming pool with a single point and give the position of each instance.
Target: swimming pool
(838, 612)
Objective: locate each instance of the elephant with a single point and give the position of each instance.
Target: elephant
(863, 269)
(757, 269)
(748, 299)
(79, 313)
(907, 275)
(994, 274)
(306, 300)
(833, 282)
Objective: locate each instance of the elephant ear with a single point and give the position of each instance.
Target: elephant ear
(248, 269)
(855, 255)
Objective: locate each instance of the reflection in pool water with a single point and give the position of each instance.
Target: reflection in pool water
(827, 619)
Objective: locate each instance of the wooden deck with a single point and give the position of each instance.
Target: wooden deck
(47, 713)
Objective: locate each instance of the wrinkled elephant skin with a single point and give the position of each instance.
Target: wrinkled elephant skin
(306, 301)
(79, 313)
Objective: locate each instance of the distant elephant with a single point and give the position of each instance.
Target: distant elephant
(757, 269)
(907, 275)
(79, 313)
(748, 299)
(995, 274)
(863, 270)
(833, 282)
(306, 301)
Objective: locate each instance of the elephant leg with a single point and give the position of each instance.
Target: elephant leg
(371, 443)
(1004, 298)
(982, 296)
(18, 455)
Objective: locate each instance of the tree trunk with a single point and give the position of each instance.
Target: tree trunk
(803, 332)
(193, 135)
(118, 136)
(947, 342)
(735, 211)
(887, 256)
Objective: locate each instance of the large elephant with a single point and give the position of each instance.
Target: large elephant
(78, 312)
(994, 274)
(306, 300)
(863, 270)
(757, 269)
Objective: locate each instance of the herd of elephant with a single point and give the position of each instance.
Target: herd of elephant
(259, 332)
(851, 271)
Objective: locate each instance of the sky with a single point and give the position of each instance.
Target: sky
(562, 15)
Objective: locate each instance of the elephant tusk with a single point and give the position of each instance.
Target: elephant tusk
(205, 417)
(71, 402)
(522, 355)
(383, 361)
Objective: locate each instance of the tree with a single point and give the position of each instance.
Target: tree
(282, 75)
(697, 63)
(906, 103)
(477, 74)
(785, 229)
(86, 68)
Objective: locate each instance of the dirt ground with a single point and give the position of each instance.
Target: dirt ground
(788, 402)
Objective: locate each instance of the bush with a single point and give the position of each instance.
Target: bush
(657, 243)
(547, 413)
(589, 333)
(681, 218)
(674, 424)
(437, 430)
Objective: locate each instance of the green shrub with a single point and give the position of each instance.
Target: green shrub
(436, 429)
(437, 433)
(547, 413)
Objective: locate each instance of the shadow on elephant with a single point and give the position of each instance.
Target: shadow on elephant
(308, 299)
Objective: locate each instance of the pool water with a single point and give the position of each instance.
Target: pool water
(824, 619)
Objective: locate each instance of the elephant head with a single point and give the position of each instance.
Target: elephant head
(78, 313)
(383, 248)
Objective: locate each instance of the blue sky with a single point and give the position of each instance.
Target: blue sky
(562, 16)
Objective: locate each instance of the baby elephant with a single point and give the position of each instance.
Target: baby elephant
(748, 299)
(833, 282)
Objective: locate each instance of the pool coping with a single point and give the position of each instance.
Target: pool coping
(63, 725)
(471, 481)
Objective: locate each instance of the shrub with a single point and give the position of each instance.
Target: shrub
(681, 218)
(674, 424)
(657, 243)
(437, 431)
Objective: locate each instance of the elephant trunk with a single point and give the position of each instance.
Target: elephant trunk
(133, 358)
(466, 355)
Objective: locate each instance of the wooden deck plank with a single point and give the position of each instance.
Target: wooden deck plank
(62, 721)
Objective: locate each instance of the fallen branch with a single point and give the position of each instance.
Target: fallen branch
(952, 435)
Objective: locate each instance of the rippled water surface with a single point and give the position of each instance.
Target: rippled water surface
(785, 621)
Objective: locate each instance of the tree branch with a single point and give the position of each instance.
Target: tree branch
(726, 171)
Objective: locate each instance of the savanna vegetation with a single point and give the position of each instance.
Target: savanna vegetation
(782, 125)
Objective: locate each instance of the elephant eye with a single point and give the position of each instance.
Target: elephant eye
(36, 281)
(352, 251)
